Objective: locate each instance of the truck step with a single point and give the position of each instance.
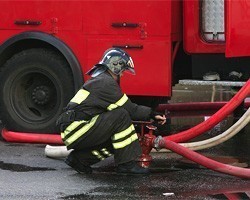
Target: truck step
(216, 83)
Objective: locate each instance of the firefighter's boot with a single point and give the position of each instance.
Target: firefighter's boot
(77, 165)
(131, 168)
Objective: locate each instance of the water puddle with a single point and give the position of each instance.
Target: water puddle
(21, 168)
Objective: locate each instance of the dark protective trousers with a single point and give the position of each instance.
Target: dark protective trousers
(113, 133)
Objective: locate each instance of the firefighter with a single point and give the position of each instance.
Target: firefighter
(97, 122)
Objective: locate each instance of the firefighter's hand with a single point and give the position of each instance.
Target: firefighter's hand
(161, 119)
(158, 117)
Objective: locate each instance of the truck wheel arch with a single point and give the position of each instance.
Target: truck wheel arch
(26, 113)
(55, 43)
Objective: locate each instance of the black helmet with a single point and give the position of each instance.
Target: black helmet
(116, 60)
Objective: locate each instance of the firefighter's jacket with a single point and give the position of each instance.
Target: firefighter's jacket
(102, 94)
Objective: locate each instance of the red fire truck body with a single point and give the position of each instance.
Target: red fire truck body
(47, 46)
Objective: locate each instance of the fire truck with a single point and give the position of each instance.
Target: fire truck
(46, 47)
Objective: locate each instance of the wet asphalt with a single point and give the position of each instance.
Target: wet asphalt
(26, 173)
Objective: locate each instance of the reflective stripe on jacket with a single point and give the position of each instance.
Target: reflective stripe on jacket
(98, 95)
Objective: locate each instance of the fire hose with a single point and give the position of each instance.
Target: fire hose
(150, 141)
(229, 133)
(61, 151)
(214, 119)
(195, 106)
(11, 136)
(56, 151)
(193, 132)
(169, 141)
(179, 137)
(204, 161)
(198, 158)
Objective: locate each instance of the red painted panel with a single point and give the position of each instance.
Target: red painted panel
(193, 42)
(152, 64)
(67, 13)
(85, 26)
(99, 15)
(238, 26)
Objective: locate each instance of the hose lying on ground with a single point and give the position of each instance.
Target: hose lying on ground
(204, 161)
(11, 136)
(56, 151)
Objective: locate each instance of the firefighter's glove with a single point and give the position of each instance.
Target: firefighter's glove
(159, 117)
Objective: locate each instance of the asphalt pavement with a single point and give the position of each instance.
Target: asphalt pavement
(26, 173)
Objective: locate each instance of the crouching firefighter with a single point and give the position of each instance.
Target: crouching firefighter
(97, 122)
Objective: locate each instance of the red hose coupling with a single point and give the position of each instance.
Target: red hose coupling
(146, 145)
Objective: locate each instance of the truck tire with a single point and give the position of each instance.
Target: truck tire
(35, 86)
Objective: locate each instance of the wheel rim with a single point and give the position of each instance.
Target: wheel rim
(34, 96)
